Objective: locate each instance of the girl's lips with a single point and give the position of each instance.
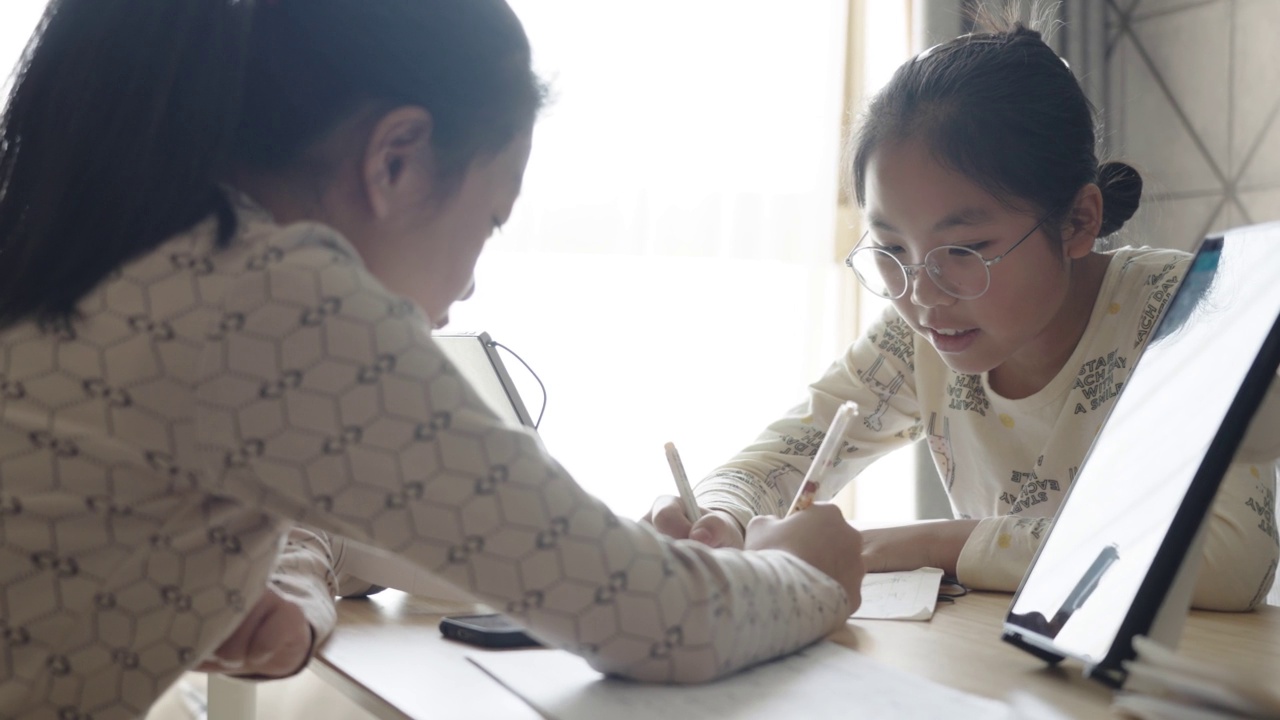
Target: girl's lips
(952, 343)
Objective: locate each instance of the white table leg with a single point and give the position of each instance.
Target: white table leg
(231, 699)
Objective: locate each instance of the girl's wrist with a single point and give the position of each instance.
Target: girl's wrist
(946, 542)
(890, 549)
(924, 544)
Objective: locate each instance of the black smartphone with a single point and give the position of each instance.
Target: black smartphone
(492, 630)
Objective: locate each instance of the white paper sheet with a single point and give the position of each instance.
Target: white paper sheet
(823, 681)
(910, 595)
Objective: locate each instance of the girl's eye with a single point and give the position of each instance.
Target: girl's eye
(976, 246)
(891, 249)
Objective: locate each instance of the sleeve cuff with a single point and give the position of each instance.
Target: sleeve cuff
(999, 551)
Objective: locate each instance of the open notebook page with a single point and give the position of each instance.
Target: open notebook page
(822, 681)
(908, 595)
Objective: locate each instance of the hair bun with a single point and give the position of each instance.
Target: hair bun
(1121, 187)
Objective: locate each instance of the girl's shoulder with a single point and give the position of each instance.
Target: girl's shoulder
(199, 267)
(1133, 269)
(1140, 281)
(1144, 258)
(260, 240)
(256, 241)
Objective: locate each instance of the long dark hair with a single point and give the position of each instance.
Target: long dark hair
(1004, 110)
(125, 115)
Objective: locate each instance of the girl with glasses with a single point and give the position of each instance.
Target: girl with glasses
(1008, 334)
(226, 230)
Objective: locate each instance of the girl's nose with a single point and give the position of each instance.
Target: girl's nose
(925, 292)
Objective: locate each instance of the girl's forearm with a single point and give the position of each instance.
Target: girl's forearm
(935, 543)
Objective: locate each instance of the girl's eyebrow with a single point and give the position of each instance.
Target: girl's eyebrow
(963, 217)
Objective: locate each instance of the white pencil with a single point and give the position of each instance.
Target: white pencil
(682, 483)
(824, 458)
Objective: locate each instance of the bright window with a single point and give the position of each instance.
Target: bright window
(670, 270)
(17, 21)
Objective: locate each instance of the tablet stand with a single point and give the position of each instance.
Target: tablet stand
(1166, 627)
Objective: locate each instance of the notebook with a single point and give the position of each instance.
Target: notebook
(1134, 513)
(475, 356)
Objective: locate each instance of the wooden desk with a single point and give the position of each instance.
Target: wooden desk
(388, 656)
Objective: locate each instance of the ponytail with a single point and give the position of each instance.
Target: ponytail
(1121, 187)
(116, 128)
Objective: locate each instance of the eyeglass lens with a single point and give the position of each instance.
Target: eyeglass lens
(957, 271)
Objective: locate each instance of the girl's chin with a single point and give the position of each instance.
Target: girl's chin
(967, 364)
(439, 318)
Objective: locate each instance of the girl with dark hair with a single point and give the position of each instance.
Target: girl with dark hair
(1008, 335)
(226, 228)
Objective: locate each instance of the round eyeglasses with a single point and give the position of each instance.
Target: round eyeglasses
(958, 271)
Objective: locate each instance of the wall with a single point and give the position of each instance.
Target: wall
(1193, 90)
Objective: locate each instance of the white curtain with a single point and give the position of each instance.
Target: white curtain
(669, 271)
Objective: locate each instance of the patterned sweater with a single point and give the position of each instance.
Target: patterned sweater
(156, 453)
(1008, 462)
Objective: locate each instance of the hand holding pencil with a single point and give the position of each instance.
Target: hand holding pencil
(720, 531)
(825, 458)
(821, 537)
(687, 500)
(681, 517)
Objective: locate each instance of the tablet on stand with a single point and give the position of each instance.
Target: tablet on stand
(1126, 545)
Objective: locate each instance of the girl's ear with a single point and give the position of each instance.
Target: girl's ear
(397, 160)
(1083, 222)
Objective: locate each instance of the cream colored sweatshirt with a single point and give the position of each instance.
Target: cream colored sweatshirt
(1007, 462)
(156, 454)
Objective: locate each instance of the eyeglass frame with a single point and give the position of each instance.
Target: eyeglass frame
(912, 271)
